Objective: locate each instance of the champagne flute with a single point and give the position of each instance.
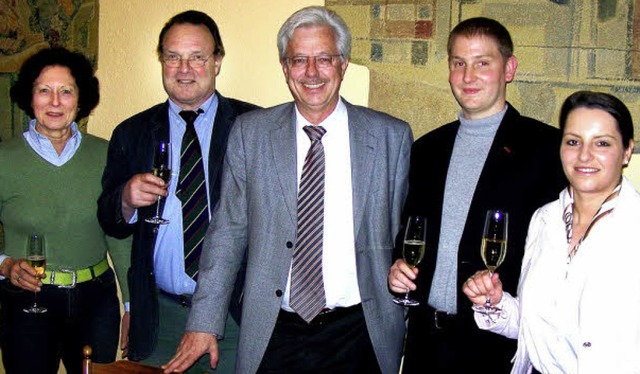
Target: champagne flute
(36, 258)
(493, 249)
(161, 168)
(413, 251)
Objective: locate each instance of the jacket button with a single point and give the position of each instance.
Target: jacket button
(289, 245)
(155, 230)
(586, 344)
(279, 293)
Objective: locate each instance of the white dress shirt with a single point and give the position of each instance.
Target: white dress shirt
(338, 252)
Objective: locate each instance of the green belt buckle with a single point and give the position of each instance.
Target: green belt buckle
(74, 278)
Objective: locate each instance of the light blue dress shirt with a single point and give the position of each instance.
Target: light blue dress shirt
(43, 147)
(168, 258)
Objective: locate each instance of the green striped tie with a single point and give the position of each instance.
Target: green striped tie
(192, 192)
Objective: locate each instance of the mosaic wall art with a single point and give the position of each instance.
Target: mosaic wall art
(562, 46)
(30, 25)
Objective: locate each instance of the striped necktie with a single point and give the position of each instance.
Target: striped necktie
(307, 286)
(192, 192)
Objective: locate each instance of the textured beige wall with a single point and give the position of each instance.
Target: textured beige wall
(562, 46)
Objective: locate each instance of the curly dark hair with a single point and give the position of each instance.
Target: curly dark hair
(80, 67)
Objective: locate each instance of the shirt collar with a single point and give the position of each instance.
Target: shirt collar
(43, 147)
(209, 107)
(566, 200)
(334, 118)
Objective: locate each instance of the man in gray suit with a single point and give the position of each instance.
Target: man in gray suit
(312, 193)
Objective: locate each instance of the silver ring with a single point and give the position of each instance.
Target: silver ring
(18, 278)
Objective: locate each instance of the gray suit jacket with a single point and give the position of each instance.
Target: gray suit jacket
(257, 213)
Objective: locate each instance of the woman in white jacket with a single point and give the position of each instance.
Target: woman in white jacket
(578, 303)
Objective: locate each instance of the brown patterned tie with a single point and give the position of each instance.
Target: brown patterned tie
(307, 286)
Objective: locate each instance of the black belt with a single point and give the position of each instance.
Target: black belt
(324, 317)
(441, 320)
(184, 300)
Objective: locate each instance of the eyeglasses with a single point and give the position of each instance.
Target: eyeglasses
(321, 61)
(174, 61)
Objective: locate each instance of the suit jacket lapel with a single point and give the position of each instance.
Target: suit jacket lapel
(500, 154)
(284, 158)
(500, 161)
(363, 144)
(437, 179)
(159, 128)
(439, 169)
(159, 131)
(222, 123)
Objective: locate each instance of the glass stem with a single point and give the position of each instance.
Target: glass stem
(487, 303)
(158, 206)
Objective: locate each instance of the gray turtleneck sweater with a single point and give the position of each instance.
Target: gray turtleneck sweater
(472, 144)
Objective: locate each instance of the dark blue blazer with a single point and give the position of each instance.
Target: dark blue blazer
(131, 152)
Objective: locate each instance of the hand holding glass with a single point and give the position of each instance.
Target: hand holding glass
(413, 251)
(493, 249)
(37, 259)
(162, 169)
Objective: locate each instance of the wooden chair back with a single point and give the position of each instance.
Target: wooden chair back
(118, 367)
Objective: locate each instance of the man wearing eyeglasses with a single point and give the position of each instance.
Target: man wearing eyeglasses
(196, 120)
(312, 195)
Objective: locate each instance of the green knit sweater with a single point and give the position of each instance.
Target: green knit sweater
(59, 202)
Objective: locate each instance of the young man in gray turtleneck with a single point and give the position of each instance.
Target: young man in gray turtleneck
(491, 158)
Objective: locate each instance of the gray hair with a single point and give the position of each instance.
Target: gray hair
(316, 16)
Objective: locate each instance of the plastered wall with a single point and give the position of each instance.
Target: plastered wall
(129, 71)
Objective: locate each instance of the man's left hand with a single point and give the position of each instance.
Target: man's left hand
(192, 346)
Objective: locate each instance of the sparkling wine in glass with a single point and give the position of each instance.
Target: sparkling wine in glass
(161, 168)
(493, 249)
(413, 251)
(36, 258)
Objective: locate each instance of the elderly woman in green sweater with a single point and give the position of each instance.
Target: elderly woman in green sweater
(49, 184)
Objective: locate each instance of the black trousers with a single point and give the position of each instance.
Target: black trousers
(334, 342)
(86, 314)
(453, 344)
